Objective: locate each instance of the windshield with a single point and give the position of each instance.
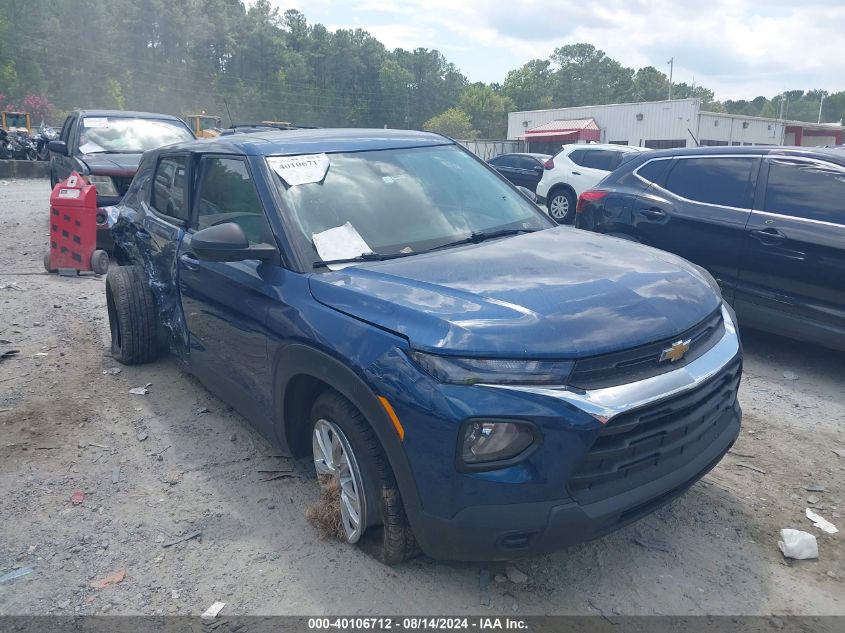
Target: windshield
(126, 135)
(404, 201)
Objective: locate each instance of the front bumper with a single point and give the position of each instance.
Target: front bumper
(504, 532)
(510, 527)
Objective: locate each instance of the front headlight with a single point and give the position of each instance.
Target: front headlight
(105, 185)
(486, 441)
(469, 371)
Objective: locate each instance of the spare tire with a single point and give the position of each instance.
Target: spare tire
(132, 316)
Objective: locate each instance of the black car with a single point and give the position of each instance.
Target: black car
(105, 146)
(523, 170)
(767, 222)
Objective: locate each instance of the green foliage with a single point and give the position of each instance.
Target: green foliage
(487, 110)
(454, 123)
(204, 55)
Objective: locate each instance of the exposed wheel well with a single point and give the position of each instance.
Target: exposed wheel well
(120, 256)
(300, 394)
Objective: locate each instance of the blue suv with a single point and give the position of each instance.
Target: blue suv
(470, 379)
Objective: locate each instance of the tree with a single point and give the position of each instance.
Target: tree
(587, 76)
(650, 85)
(454, 123)
(529, 87)
(487, 110)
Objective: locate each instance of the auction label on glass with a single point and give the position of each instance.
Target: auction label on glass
(300, 170)
(91, 121)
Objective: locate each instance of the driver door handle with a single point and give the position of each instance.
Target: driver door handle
(576, 173)
(653, 213)
(768, 237)
(189, 261)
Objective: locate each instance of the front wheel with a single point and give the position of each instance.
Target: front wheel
(360, 496)
(562, 207)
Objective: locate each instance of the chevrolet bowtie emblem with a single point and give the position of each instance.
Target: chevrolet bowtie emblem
(676, 351)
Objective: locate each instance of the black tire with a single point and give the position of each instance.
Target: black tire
(100, 262)
(6, 152)
(132, 316)
(389, 537)
(561, 205)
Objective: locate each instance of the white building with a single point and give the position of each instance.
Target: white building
(661, 125)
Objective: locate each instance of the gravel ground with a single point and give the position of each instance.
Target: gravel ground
(178, 461)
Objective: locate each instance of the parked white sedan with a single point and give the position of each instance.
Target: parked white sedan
(575, 169)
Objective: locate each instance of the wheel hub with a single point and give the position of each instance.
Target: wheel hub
(333, 457)
(559, 207)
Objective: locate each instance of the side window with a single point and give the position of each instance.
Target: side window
(654, 171)
(815, 191)
(227, 194)
(721, 181)
(526, 162)
(505, 161)
(170, 196)
(601, 159)
(577, 156)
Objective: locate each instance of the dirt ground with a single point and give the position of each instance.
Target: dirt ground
(177, 461)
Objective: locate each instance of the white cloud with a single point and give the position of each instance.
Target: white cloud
(738, 48)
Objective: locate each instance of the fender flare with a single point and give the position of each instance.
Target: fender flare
(297, 359)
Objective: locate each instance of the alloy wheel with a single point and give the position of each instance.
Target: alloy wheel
(559, 207)
(333, 457)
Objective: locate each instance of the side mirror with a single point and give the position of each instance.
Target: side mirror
(227, 243)
(527, 193)
(58, 147)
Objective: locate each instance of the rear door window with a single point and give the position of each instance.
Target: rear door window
(577, 156)
(505, 161)
(723, 181)
(810, 190)
(227, 194)
(526, 162)
(654, 171)
(606, 160)
(170, 194)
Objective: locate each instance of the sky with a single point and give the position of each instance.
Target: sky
(737, 48)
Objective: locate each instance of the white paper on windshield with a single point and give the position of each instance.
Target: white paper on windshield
(90, 147)
(300, 170)
(341, 242)
(95, 121)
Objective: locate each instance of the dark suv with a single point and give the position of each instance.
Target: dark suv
(767, 222)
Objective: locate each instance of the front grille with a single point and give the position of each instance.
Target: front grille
(638, 363)
(642, 445)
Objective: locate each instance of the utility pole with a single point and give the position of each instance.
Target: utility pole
(821, 103)
(671, 63)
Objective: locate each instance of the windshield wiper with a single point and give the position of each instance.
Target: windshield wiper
(477, 238)
(363, 257)
(114, 151)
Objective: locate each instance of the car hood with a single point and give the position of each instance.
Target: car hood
(562, 293)
(112, 164)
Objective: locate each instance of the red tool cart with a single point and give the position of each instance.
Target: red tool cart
(73, 229)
